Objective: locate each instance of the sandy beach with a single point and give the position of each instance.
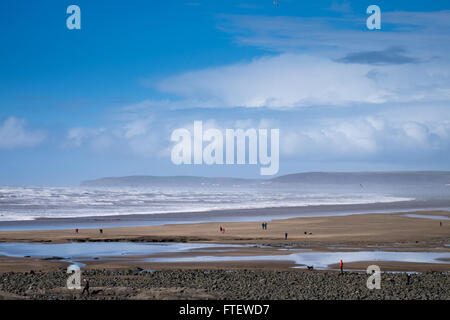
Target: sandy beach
(390, 232)
(244, 262)
(368, 229)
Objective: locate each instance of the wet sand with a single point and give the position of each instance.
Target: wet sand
(352, 232)
(394, 229)
(141, 277)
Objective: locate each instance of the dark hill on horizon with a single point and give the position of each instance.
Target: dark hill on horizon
(382, 177)
(385, 177)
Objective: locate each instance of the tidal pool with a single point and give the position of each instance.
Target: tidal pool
(101, 249)
(204, 252)
(426, 216)
(322, 260)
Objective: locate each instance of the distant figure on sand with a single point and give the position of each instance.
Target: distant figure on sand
(220, 229)
(223, 230)
(101, 230)
(341, 264)
(86, 286)
(262, 225)
(440, 223)
(285, 235)
(76, 230)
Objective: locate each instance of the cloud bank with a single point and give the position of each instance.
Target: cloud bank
(299, 80)
(14, 134)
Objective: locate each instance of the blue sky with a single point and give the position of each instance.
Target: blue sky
(103, 100)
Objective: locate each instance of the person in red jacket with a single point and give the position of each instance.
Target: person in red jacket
(342, 266)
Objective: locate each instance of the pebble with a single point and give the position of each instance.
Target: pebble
(223, 284)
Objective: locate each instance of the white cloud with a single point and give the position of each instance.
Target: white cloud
(297, 80)
(79, 136)
(407, 62)
(15, 134)
(132, 136)
(365, 137)
(136, 128)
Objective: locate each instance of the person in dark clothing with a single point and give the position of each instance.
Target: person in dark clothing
(76, 230)
(263, 226)
(408, 278)
(285, 235)
(220, 229)
(86, 286)
(101, 230)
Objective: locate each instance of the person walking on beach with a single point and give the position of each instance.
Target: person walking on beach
(220, 229)
(86, 286)
(265, 225)
(285, 235)
(101, 230)
(341, 265)
(76, 230)
(262, 226)
(440, 223)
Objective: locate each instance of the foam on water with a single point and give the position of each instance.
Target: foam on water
(28, 203)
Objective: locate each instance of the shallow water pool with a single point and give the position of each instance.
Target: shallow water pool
(205, 252)
(322, 260)
(426, 216)
(101, 249)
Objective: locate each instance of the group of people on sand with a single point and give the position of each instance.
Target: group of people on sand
(264, 227)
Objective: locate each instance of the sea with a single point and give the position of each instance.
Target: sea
(21, 203)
